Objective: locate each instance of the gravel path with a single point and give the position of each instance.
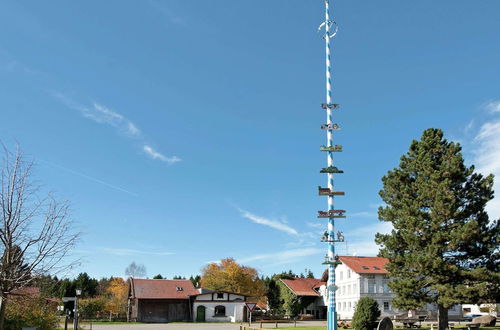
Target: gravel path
(188, 326)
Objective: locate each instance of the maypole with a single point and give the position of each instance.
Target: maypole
(331, 260)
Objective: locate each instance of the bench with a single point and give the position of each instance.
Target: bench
(278, 321)
(473, 326)
(435, 326)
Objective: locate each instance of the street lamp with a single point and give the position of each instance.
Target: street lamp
(75, 318)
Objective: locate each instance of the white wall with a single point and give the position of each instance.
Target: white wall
(352, 286)
(234, 311)
(233, 303)
(470, 309)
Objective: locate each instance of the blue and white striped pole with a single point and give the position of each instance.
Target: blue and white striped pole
(332, 315)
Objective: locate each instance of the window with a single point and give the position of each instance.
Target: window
(179, 288)
(385, 286)
(354, 288)
(344, 306)
(371, 286)
(348, 273)
(349, 289)
(338, 306)
(349, 305)
(386, 306)
(340, 276)
(467, 310)
(220, 311)
(220, 295)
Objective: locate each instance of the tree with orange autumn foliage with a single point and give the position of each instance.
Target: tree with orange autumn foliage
(118, 292)
(228, 275)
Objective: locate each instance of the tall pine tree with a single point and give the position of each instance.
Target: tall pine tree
(443, 248)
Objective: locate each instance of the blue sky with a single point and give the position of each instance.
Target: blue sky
(187, 131)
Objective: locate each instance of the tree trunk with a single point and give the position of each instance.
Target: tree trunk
(3, 303)
(442, 317)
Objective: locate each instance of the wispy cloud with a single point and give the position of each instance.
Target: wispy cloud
(156, 155)
(101, 114)
(9, 64)
(273, 223)
(487, 154)
(493, 106)
(167, 12)
(361, 241)
(371, 213)
(316, 225)
(104, 115)
(364, 214)
(283, 257)
(367, 232)
(133, 252)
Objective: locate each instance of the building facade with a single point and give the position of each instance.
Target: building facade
(313, 290)
(163, 301)
(360, 277)
(219, 306)
(160, 301)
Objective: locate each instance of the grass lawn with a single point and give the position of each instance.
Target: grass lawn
(304, 328)
(423, 328)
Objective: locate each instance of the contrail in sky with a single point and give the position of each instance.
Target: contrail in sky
(90, 178)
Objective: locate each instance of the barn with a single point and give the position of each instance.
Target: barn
(160, 301)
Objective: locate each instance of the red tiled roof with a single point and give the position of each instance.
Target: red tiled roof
(26, 291)
(303, 286)
(162, 289)
(366, 265)
(207, 291)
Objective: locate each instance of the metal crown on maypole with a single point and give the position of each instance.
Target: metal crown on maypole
(331, 260)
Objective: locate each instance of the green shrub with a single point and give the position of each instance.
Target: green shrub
(366, 314)
(30, 312)
(91, 308)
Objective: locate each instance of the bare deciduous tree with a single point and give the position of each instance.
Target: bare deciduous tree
(36, 234)
(135, 270)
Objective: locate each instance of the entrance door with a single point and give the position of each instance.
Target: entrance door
(200, 314)
(245, 314)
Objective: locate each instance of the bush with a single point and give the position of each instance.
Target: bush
(91, 308)
(366, 314)
(31, 312)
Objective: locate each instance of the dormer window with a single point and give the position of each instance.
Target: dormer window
(376, 267)
(365, 267)
(179, 288)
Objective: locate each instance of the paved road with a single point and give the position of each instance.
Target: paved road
(187, 326)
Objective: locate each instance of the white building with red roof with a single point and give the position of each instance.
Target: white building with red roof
(162, 301)
(356, 277)
(219, 306)
(360, 277)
